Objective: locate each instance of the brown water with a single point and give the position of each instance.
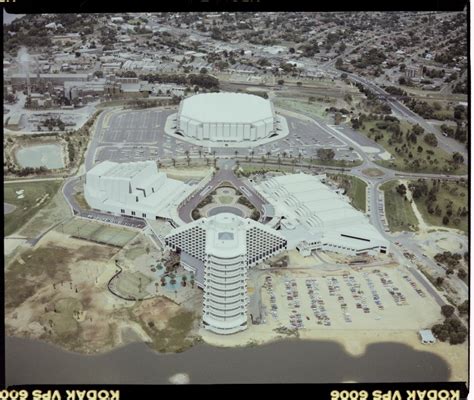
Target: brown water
(289, 361)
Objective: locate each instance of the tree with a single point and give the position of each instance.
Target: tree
(339, 63)
(291, 50)
(431, 139)
(447, 310)
(281, 82)
(326, 154)
(464, 307)
(417, 130)
(458, 158)
(462, 274)
(401, 190)
(439, 280)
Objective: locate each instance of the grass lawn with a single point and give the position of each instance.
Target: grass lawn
(62, 321)
(438, 163)
(130, 284)
(399, 213)
(355, 189)
(316, 108)
(373, 172)
(27, 207)
(225, 199)
(176, 336)
(450, 191)
(337, 163)
(26, 275)
(249, 169)
(81, 200)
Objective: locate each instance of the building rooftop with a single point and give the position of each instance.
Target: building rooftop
(226, 107)
(313, 209)
(225, 235)
(427, 336)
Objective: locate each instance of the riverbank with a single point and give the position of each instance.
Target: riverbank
(288, 361)
(355, 342)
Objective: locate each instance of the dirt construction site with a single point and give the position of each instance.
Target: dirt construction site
(58, 291)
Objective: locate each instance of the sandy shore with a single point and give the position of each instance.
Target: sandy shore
(355, 343)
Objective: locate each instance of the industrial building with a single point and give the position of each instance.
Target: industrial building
(134, 189)
(19, 81)
(14, 121)
(219, 250)
(312, 216)
(81, 89)
(227, 119)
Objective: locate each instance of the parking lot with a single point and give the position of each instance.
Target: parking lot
(112, 219)
(382, 298)
(138, 135)
(127, 154)
(143, 126)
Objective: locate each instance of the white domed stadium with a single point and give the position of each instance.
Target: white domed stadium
(227, 119)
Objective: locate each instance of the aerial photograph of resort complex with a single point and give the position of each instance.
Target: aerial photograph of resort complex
(236, 197)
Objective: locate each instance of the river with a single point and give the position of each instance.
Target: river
(288, 361)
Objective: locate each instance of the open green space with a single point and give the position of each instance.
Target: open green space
(26, 275)
(36, 196)
(81, 200)
(373, 172)
(225, 199)
(176, 337)
(251, 169)
(133, 285)
(398, 211)
(336, 163)
(97, 232)
(291, 104)
(355, 189)
(407, 155)
(62, 319)
(446, 201)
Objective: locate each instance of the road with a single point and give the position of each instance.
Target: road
(447, 144)
(406, 239)
(225, 174)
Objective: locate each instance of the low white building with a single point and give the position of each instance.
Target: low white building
(133, 189)
(314, 217)
(219, 250)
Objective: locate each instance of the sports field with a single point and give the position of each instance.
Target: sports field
(97, 232)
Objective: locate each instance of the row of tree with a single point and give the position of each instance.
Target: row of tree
(452, 329)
